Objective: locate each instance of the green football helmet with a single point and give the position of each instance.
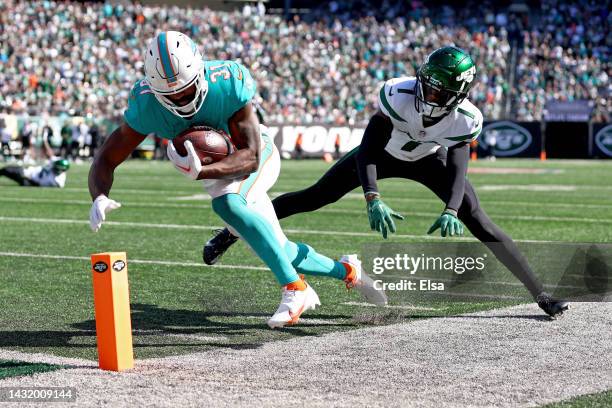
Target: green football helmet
(61, 165)
(443, 81)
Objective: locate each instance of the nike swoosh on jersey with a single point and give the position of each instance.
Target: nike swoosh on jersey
(185, 169)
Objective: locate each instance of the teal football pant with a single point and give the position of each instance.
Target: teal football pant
(263, 234)
(249, 213)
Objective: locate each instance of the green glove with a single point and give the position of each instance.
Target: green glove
(448, 224)
(380, 216)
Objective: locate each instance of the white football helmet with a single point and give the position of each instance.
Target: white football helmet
(173, 64)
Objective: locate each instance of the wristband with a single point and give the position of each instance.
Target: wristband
(450, 211)
(371, 195)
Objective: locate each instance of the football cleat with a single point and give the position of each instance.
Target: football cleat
(359, 280)
(552, 307)
(217, 245)
(293, 303)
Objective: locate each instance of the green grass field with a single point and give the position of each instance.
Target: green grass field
(601, 400)
(18, 368)
(181, 306)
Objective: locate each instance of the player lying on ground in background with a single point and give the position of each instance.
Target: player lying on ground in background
(51, 175)
(180, 91)
(421, 132)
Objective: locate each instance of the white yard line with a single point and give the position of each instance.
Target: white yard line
(263, 268)
(400, 307)
(88, 203)
(478, 279)
(406, 197)
(195, 337)
(136, 261)
(305, 320)
(493, 216)
(528, 187)
(210, 227)
(128, 204)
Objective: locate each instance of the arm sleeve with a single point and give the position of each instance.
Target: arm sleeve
(457, 163)
(375, 138)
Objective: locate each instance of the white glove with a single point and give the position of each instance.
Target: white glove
(101, 206)
(189, 165)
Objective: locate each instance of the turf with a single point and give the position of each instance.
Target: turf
(46, 304)
(10, 368)
(599, 400)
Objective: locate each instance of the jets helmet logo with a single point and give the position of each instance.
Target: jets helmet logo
(467, 76)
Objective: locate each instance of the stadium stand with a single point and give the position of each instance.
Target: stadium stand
(72, 59)
(566, 56)
(326, 71)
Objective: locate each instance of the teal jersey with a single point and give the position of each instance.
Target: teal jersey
(230, 87)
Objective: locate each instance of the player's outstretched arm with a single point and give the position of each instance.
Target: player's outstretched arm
(457, 164)
(119, 145)
(244, 129)
(375, 138)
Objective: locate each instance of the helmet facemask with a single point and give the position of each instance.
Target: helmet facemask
(60, 166)
(191, 108)
(443, 81)
(433, 101)
(173, 65)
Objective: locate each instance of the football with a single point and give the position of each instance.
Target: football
(210, 144)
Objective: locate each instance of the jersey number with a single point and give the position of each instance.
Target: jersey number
(144, 87)
(221, 69)
(410, 146)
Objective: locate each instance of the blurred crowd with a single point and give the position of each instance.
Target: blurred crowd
(567, 57)
(83, 58)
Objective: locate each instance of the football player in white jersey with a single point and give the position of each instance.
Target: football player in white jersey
(421, 132)
(51, 175)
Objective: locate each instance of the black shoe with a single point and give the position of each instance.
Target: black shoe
(217, 245)
(552, 307)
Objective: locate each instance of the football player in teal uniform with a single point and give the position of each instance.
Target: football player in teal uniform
(181, 90)
(421, 132)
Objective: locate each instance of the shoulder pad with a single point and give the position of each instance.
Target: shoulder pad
(139, 104)
(468, 125)
(392, 96)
